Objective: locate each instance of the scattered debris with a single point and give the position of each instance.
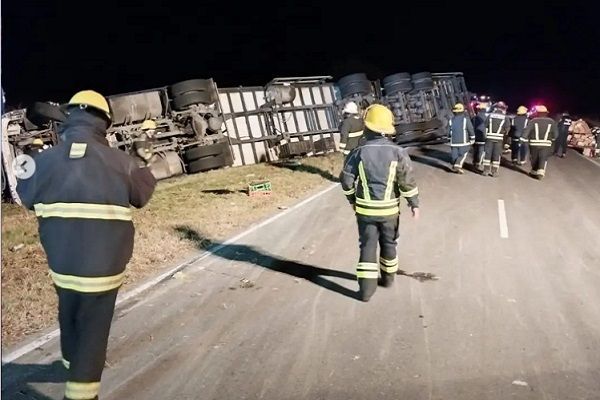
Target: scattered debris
(282, 207)
(179, 275)
(420, 316)
(224, 306)
(17, 247)
(511, 300)
(520, 383)
(420, 276)
(417, 376)
(246, 283)
(356, 358)
(296, 280)
(259, 188)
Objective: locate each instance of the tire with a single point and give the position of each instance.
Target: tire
(421, 75)
(397, 83)
(422, 81)
(354, 84)
(192, 85)
(195, 153)
(43, 113)
(207, 163)
(185, 100)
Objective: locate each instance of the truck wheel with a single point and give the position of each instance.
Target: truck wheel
(192, 85)
(207, 163)
(354, 84)
(397, 83)
(42, 113)
(187, 99)
(422, 81)
(197, 152)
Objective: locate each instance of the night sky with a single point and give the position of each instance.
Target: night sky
(517, 52)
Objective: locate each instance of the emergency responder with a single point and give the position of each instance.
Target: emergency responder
(479, 126)
(374, 177)
(351, 129)
(564, 124)
(461, 135)
(36, 147)
(540, 133)
(143, 141)
(81, 192)
(497, 126)
(518, 147)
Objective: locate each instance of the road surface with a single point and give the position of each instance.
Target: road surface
(515, 313)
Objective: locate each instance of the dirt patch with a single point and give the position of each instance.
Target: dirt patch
(214, 203)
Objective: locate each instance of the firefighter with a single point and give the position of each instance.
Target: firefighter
(478, 123)
(563, 132)
(518, 147)
(461, 135)
(497, 126)
(374, 177)
(142, 144)
(539, 134)
(351, 129)
(81, 192)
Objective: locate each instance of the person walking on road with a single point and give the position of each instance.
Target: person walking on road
(563, 132)
(351, 129)
(497, 125)
(461, 135)
(540, 134)
(81, 191)
(519, 148)
(478, 123)
(374, 178)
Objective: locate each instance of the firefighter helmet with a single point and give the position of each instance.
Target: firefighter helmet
(458, 108)
(522, 110)
(380, 119)
(148, 125)
(37, 142)
(501, 105)
(350, 108)
(92, 99)
(541, 109)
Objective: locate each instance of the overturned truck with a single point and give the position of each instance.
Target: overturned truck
(200, 127)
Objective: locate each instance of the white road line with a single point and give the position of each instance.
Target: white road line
(587, 158)
(21, 351)
(502, 220)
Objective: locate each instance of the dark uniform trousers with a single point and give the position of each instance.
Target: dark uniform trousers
(374, 231)
(85, 320)
(539, 158)
(493, 154)
(478, 153)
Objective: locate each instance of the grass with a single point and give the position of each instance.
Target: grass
(213, 203)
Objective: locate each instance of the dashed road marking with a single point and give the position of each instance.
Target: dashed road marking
(502, 220)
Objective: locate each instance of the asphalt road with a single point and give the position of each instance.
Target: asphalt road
(274, 317)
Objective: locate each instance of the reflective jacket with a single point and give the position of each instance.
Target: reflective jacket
(497, 125)
(461, 131)
(81, 192)
(351, 133)
(376, 175)
(540, 132)
(479, 126)
(519, 123)
(564, 124)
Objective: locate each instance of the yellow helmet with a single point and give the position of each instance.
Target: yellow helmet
(541, 109)
(148, 124)
(380, 119)
(37, 142)
(458, 108)
(90, 98)
(522, 110)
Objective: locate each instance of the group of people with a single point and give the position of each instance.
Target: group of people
(487, 132)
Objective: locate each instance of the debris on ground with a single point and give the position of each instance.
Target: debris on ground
(356, 358)
(420, 276)
(511, 300)
(17, 247)
(246, 283)
(520, 383)
(296, 280)
(179, 275)
(260, 188)
(581, 137)
(282, 207)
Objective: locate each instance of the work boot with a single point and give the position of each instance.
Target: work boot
(366, 288)
(486, 170)
(495, 172)
(386, 279)
(460, 171)
(455, 169)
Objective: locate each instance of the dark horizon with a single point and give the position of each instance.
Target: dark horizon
(528, 53)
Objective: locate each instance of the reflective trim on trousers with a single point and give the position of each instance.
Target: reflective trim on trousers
(82, 390)
(389, 266)
(86, 284)
(367, 270)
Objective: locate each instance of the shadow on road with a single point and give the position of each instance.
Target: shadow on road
(307, 168)
(420, 276)
(223, 191)
(509, 165)
(17, 377)
(432, 162)
(249, 254)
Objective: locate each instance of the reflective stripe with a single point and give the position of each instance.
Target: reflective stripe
(496, 163)
(355, 134)
(391, 180)
(377, 212)
(82, 390)
(66, 363)
(82, 210)
(486, 162)
(349, 192)
(77, 150)
(410, 193)
(85, 284)
(547, 132)
(367, 270)
(363, 181)
(537, 131)
(377, 203)
(464, 130)
(540, 143)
